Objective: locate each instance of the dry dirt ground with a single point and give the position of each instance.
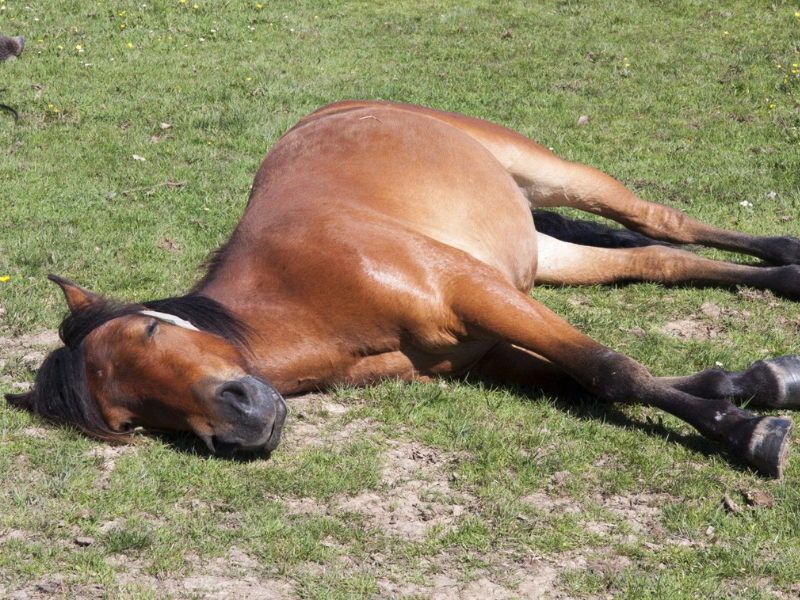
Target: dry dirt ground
(417, 499)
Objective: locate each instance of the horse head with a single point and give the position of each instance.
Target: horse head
(178, 364)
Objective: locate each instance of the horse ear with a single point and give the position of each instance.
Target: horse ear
(77, 297)
(20, 401)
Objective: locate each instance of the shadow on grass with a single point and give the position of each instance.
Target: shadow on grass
(188, 443)
(595, 409)
(586, 407)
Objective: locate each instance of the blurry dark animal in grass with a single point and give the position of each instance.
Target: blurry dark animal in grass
(392, 241)
(7, 108)
(11, 47)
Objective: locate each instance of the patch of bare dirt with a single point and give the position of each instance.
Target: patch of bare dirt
(43, 339)
(550, 504)
(713, 311)
(35, 432)
(759, 296)
(692, 329)
(417, 495)
(531, 578)
(708, 324)
(30, 349)
(27, 351)
(109, 455)
(640, 513)
(212, 587)
(236, 575)
(315, 420)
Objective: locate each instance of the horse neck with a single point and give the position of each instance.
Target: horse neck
(244, 297)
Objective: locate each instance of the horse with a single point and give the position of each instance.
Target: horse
(391, 241)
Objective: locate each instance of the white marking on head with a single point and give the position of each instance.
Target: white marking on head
(171, 319)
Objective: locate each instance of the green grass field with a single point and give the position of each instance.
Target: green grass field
(444, 490)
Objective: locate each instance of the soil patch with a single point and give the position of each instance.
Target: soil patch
(417, 498)
(26, 352)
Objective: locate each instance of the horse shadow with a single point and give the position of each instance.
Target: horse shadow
(186, 442)
(587, 407)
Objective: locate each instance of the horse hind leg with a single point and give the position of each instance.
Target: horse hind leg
(549, 181)
(563, 263)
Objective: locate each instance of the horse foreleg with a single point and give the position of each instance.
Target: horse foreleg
(562, 263)
(488, 308)
(771, 383)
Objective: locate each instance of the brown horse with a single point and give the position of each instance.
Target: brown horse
(391, 241)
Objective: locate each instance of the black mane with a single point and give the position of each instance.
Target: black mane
(61, 392)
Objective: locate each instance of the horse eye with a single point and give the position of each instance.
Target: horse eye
(151, 328)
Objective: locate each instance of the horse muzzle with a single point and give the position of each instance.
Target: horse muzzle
(251, 417)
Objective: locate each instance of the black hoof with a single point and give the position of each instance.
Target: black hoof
(768, 449)
(787, 371)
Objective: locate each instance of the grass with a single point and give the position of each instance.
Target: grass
(687, 105)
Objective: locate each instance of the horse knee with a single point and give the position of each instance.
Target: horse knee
(784, 250)
(618, 378)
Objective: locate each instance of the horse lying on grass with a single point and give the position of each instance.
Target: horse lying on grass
(391, 241)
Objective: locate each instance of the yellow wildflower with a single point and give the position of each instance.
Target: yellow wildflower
(5, 278)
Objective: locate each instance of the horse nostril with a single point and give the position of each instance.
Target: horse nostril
(233, 393)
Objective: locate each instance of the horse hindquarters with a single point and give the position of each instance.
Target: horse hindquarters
(490, 309)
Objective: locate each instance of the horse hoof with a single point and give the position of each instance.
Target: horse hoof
(768, 449)
(787, 371)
